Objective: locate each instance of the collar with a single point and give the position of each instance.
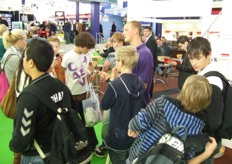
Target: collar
(40, 78)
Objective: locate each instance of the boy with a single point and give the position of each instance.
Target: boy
(77, 64)
(199, 53)
(34, 120)
(124, 97)
(150, 123)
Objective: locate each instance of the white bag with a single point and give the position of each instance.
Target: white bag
(91, 108)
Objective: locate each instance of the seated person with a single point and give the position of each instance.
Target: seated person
(194, 97)
(117, 41)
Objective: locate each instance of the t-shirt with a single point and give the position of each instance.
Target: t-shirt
(76, 71)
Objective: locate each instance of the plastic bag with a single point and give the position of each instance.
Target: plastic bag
(91, 108)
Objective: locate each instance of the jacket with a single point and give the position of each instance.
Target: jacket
(124, 97)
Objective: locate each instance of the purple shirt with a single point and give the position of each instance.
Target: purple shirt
(144, 68)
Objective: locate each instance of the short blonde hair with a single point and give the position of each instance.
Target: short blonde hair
(3, 28)
(10, 38)
(128, 55)
(195, 94)
(54, 39)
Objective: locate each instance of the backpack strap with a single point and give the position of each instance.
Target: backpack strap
(217, 74)
(7, 58)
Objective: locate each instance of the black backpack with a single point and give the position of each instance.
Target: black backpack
(225, 131)
(168, 150)
(69, 138)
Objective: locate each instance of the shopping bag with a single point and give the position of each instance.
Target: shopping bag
(91, 108)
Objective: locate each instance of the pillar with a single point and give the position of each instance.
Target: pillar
(95, 18)
(77, 11)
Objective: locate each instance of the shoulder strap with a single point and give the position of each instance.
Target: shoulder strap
(7, 58)
(42, 96)
(215, 73)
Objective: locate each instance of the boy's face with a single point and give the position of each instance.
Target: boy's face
(200, 62)
(146, 32)
(56, 47)
(117, 44)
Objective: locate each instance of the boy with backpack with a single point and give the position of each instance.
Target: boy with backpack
(166, 113)
(34, 119)
(215, 118)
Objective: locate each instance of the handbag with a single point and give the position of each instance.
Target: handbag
(91, 108)
(8, 103)
(4, 83)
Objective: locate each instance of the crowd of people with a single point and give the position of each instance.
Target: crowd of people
(135, 121)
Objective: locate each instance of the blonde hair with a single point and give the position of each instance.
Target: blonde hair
(54, 39)
(3, 28)
(128, 55)
(195, 94)
(12, 37)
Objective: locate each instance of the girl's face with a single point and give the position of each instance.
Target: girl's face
(117, 43)
(56, 47)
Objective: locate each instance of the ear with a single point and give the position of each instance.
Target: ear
(209, 55)
(31, 63)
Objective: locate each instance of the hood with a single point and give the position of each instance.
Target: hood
(133, 84)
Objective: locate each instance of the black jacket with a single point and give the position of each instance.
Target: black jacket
(152, 45)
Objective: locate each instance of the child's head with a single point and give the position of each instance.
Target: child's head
(199, 53)
(85, 41)
(55, 42)
(126, 56)
(117, 40)
(195, 94)
(182, 42)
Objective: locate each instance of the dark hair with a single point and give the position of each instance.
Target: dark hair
(84, 39)
(148, 27)
(197, 46)
(182, 39)
(41, 52)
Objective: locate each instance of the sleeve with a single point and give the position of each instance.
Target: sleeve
(24, 124)
(109, 97)
(145, 117)
(212, 116)
(64, 61)
(185, 66)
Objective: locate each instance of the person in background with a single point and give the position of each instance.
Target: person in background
(3, 28)
(117, 41)
(67, 31)
(77, 65)
(56, 64)
(199, 53)
(113, 29)
(15, 43)
(144, 68)
(185, 68)
(124, 97)
(152, 45)
(108, 48)
(151, 123)
(33, 33)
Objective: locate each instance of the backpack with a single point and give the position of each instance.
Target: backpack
(4, 83)
(225, 131)
(168, 150)
(69, 139)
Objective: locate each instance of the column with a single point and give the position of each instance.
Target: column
(77, 11)
(95, 18)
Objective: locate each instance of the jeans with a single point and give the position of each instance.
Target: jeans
(32, 159)
(118, 157)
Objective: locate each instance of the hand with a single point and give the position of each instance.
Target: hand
(210, 146)
(92, 77)
(132, 134)
(55, 62)
(103, 75)
(171, 62)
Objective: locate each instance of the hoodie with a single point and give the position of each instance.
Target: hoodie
(124, 97)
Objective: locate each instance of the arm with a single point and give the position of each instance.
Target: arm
(92, 74)
(209, 149)
(61, 73)
(24, 124)
(185, 66)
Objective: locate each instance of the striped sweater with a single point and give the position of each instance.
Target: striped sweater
(151, 122)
